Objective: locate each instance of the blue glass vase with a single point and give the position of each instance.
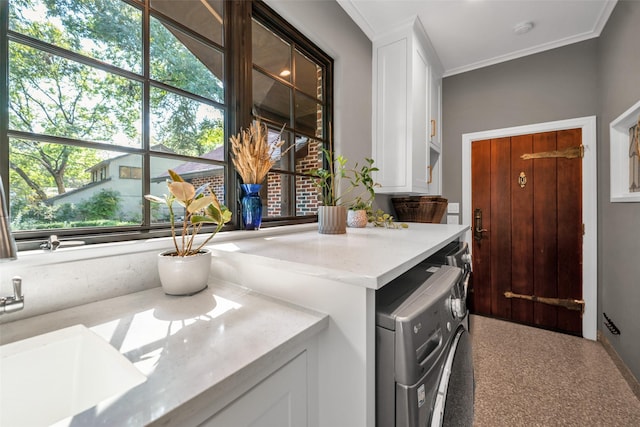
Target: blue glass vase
(251, 206)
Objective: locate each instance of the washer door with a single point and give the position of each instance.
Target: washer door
(454, 401)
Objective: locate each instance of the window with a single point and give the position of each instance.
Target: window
(104, 96)
(98, 173)
(130, 172)
(289, 84)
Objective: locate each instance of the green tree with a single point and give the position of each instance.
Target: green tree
(52, 95)
(57, 96)
(102, 205)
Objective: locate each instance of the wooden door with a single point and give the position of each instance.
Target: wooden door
(532, 212)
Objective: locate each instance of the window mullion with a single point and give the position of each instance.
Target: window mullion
(238, 93)
(72, 56)
(4, 96)
(146, 89)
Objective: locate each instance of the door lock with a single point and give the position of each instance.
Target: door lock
(477, 225)
(522, 179)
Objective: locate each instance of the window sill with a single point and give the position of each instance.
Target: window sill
(38, 258)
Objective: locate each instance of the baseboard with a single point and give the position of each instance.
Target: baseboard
(622, 367)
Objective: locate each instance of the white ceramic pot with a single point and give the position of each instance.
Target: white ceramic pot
(184, 275)
(332, 219)
(357, 219)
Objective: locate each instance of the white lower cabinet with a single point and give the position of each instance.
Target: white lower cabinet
(280, 400)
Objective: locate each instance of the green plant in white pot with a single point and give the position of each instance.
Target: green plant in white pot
(360, 207)
(184, 270)
(332, 217)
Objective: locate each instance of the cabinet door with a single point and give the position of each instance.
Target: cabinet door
(435, 133)
(278, 401)
(419, 143)
(403, 104)
(435, 96)
(392, 111)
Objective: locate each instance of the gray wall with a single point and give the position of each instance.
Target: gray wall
(554, 85)
(619, 223)
(595, 77)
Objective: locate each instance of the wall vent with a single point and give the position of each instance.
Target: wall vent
(610, 325)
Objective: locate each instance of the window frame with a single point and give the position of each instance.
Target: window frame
(237, 106)
(283, 29)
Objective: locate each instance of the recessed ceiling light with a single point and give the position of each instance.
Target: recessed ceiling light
(523, 28)
(285, 73)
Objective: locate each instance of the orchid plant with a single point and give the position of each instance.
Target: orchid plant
(201, 207)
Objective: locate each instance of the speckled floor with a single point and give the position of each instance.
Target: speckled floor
(532, 377)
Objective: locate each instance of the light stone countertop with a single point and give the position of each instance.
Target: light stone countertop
(195, 351)
(369, 257)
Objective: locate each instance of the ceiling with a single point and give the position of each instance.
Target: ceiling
(470, 34)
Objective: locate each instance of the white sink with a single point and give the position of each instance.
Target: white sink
(49, 377)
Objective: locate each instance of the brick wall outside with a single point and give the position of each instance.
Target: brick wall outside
(307, 195)
(216, 182)
(274, 195)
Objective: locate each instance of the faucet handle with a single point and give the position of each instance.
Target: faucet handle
(16, 302)
(54, 243)
(51, 244)
(17, 287)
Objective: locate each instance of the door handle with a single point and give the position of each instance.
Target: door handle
(477, 224)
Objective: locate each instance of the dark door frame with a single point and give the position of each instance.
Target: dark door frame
(589, 201)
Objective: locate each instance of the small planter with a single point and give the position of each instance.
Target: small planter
(357, 218)
(332, 219)
(184, 275)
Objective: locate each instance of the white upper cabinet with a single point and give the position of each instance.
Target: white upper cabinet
(406, 122)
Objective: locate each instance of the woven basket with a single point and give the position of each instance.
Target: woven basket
(419, 208)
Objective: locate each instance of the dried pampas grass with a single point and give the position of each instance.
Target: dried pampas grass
(253, 156)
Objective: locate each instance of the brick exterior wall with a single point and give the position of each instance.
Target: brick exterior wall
(274, 192)
(307, 194)
(216, 182)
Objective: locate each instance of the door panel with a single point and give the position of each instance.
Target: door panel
(545, 225)
(500, 229)
(481, 176)
(533, 245)
(522, 227)
(569, 230)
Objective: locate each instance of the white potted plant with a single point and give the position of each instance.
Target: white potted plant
(360, 208)
(184, 270)
(332, 217)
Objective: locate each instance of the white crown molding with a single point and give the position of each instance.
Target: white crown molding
(605, 13)
(521, 53)
(599, 25)
(358, 18)
(354, 12)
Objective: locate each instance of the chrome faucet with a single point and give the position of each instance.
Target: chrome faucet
(15, 302)
(54, 243)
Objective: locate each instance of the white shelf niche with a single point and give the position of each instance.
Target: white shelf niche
(619, 139)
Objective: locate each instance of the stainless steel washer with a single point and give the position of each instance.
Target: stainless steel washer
(424, 369)
(457, 254)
